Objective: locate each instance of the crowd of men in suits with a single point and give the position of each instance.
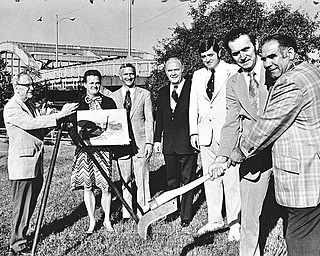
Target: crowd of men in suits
(259, 117)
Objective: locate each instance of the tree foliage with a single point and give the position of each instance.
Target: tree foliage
(217, 20)
(6, 90)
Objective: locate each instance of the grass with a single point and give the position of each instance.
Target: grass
(66, 220)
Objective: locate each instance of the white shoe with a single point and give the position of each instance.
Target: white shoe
(234, 233)
(209, 227)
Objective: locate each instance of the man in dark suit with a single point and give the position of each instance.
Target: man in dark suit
(172, 121)
(242, 113)
(24, 126)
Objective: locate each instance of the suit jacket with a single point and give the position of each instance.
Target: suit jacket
(140, 121)
(240, 118)
(174, 125)
(292, 122)
(25, 139)
(207, 116)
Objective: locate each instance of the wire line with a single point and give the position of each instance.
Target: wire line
(157, 16)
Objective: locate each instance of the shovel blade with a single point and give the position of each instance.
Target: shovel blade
(154, 215)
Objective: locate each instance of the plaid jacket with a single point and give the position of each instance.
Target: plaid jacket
(291, 121)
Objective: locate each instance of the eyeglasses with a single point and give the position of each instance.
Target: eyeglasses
(26, 85)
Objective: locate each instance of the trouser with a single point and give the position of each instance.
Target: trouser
(303, 231)
(227, 186)
(25, 194)
(181, 169)
(253, 193)
(139, 167)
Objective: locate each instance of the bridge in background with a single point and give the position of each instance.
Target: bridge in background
(74, 60)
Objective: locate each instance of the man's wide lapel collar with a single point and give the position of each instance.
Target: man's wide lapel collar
(243, 95)
(22, 105)
(137, 96)
(183, 95)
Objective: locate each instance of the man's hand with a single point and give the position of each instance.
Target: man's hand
(157, 147)
(216, 169)
(148, 150)
(67, 109)
(194, 140)
(237, 156)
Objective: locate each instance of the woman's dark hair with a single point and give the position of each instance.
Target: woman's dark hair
(91, 72)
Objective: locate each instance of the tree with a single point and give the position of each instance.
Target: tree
(217, 20)
(6, 90)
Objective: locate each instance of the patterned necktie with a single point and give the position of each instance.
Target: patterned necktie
(127, 101)
(210, 85)
(174, 94)
(93, 102)
(254, 90)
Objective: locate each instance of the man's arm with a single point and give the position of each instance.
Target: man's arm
(148, 125)
(230, 131)
(193, 114)
(15, 115)
(286, 102)
(159, 125)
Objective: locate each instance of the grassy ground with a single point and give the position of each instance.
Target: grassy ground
(65, 222)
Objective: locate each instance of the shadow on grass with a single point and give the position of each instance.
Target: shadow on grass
(198, 241)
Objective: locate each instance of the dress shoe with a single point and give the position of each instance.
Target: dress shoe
(185, 223)
(234, 233)
(209, 227)
(108, 226)
(91, 229)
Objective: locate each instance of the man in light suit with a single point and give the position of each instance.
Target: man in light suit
(207, 115)
(25, 155)
(172, 122)
(241, 115)
(133, 159)
(291, 125)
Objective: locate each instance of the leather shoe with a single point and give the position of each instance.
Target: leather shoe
(171, 217)
(185, 223)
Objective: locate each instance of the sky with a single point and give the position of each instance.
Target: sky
(103, 23)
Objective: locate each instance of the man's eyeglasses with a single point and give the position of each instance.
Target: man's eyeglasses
(26, 85)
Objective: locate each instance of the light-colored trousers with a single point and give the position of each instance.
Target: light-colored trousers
(253, 194)
(228, 185)
(137, 166)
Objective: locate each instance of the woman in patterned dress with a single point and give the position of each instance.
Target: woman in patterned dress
(85, 174)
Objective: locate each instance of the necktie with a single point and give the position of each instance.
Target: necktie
(93, 102)
(174, 94)
(30, 107)
(254, 90)
(210, 85)
(127, 101)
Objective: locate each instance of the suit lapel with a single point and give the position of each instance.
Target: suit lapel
(23, 105)
(183, 95)
(241, 88)
(137, 97)
(220, 82)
